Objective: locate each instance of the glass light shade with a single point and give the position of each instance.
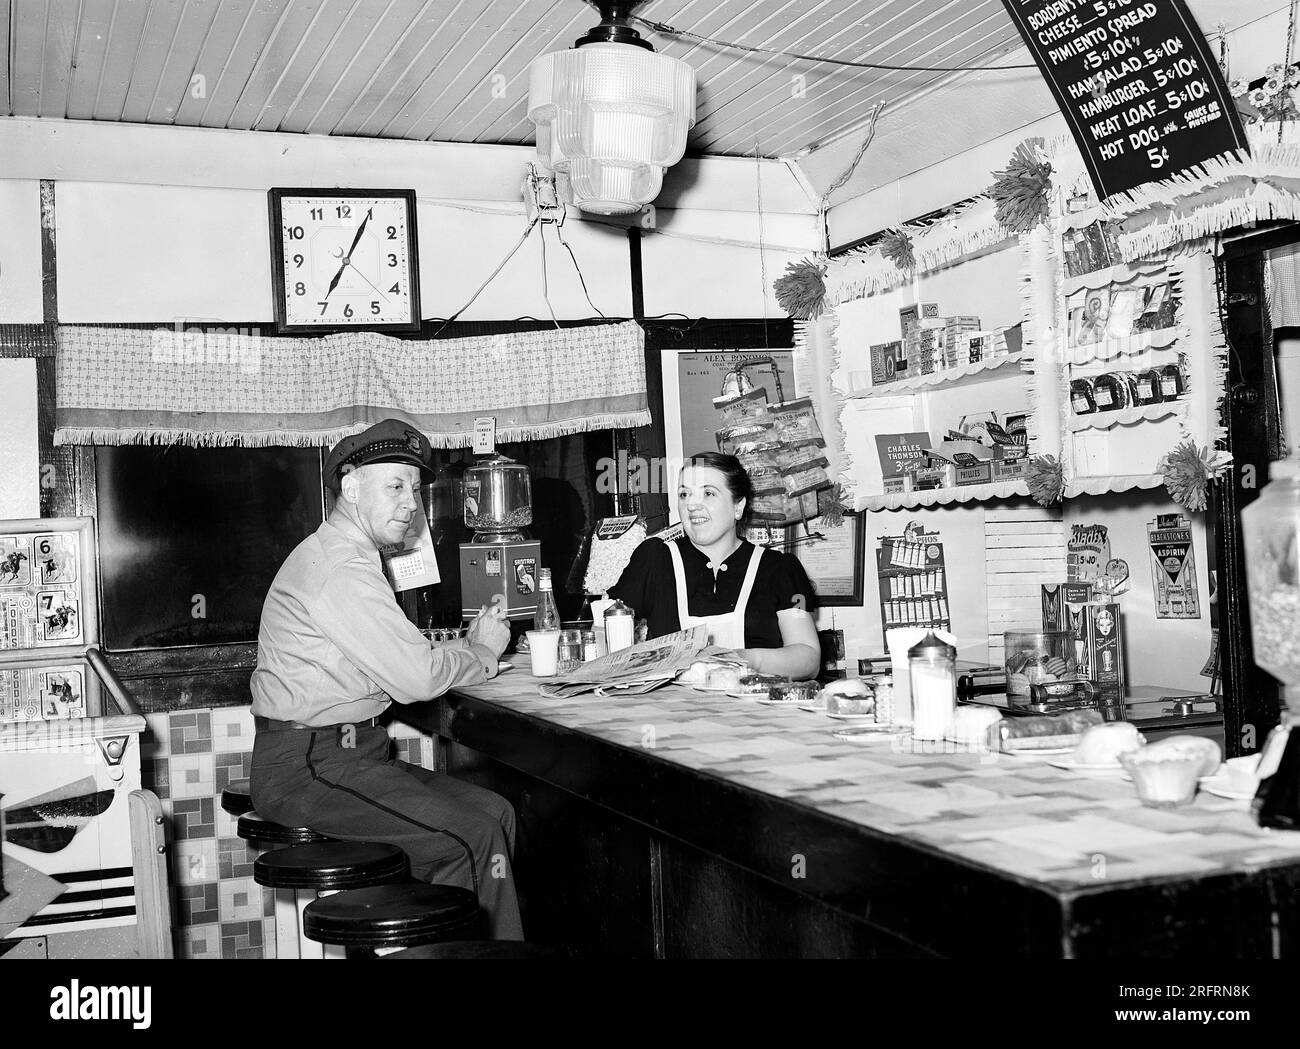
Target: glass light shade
(611, 117)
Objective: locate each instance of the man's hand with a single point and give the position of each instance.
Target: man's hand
(489, 629)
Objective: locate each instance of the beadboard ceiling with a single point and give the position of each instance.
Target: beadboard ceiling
(457, 70)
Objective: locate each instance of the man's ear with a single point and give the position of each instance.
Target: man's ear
(349, 484)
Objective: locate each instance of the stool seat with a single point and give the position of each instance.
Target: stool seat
(393, 916)
(237, 799)
(251, 827)
(475, 949)
(330, 865)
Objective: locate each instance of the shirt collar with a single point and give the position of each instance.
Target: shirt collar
(341, 522)
(736, 555)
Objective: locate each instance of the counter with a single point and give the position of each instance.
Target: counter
(684, 824)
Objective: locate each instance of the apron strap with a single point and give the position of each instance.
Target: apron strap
(679, 577)
(751, 573)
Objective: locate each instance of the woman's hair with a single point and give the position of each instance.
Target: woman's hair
(736, 476)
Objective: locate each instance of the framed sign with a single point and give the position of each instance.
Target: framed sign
(832, 557)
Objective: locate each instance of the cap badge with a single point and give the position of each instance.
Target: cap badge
(413, 442)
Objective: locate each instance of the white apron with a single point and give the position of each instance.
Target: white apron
(726, 630)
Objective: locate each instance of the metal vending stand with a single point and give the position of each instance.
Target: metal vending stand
(69, 743)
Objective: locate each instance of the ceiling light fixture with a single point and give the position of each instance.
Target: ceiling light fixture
(611, 114)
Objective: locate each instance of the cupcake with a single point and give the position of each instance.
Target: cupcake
(1164, 777)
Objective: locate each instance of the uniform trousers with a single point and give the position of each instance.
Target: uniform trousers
(344, 782)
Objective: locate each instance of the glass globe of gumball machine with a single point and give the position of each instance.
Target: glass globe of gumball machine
(1271, 530)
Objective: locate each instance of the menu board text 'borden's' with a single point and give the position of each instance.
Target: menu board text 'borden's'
(1142, 94)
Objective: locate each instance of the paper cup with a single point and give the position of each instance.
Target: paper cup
(544, 649)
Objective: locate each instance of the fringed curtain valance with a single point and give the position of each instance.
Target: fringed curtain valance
(133, 386)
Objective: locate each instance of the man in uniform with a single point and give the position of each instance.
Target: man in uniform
(334, 650)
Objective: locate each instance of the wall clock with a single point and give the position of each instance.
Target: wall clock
(344, 259)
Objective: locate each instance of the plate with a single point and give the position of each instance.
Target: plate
(1070, 765)
(762, 696)
(710, 691)
(812, 708)
(1220, 787)
(767, 702)
(851, 717)
(1048, 753)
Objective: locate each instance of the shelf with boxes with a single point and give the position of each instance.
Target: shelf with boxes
(949, 377)
(1137, 367)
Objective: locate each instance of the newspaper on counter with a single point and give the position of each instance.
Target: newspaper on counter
(636, 669)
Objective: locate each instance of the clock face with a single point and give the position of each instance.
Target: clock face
(345, 259)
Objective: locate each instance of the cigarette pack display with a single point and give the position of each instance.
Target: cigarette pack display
(980, 473)
(1008, 469)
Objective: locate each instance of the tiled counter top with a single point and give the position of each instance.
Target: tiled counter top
(939, 849)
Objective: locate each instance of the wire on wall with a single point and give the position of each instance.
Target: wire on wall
(667, 30)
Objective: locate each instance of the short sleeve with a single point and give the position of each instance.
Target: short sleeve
(795, 589)
(647, 561)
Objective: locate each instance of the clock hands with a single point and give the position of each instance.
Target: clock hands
(371, 283)
(347, 258)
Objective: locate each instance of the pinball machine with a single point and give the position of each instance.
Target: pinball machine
(69, 742)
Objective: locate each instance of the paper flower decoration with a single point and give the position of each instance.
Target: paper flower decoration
(1021, 190)
(896, 246)
(802, 291)
(1045, 477)
(1276, 97)
(1188, 471)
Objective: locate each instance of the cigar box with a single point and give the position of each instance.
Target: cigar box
(884, 362)
(1009, 469)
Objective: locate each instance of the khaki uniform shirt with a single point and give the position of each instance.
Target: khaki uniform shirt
(334, 647)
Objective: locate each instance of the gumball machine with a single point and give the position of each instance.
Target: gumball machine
(1271, 530)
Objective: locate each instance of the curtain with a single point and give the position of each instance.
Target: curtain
(203, 388)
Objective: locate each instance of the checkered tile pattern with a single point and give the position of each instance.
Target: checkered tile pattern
(188, 759)
(1020, 816)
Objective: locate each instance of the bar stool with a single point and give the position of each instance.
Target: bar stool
(328, 866)
(264, 834)
(491, 949)
(237, 799)
(363, 921)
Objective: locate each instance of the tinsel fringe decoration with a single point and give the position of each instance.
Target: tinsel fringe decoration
(830, 506)
(1188, 471)
(1021, 190)
(896, 246)
(802, 291)
(1045, 478)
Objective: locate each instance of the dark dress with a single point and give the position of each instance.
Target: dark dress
(647, 585)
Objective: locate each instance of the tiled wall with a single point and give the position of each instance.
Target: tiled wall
(187, 759)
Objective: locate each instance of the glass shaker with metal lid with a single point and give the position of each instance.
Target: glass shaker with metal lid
(620, 626)
(498, 500)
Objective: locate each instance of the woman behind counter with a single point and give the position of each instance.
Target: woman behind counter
(755, 602)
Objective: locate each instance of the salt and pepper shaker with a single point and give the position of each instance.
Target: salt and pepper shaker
(620, 626)
(932, 667)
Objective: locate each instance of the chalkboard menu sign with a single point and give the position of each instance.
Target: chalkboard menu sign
(1142, 94)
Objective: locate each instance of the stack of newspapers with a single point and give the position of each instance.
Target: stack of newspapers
(634, 670)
